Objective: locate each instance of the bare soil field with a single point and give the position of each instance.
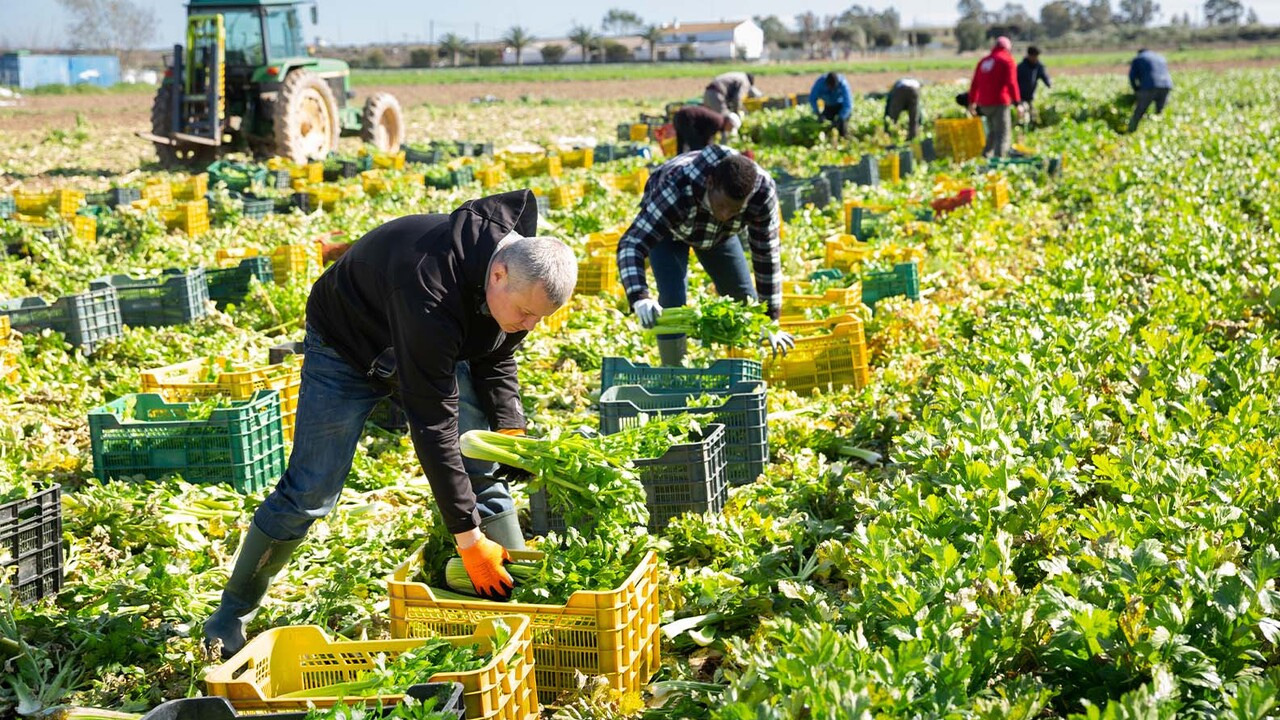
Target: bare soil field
(132, 110)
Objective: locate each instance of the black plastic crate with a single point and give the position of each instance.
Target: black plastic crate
(172, 298)
(906, 162)
(31, 536)
(86, 319)
(776, 103)
(818, 192)
(114, 197)
(866, 172)
(743, 412)
(928, 152)
(835, 180)
(717, 377)
(689, 477)
(302, 201)
(431, 156)
(386, 414)
(448, 697)
(790, 199)
(230, 285)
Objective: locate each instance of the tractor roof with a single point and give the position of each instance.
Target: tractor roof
(193, 4)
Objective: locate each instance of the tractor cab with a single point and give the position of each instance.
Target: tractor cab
(245, 80)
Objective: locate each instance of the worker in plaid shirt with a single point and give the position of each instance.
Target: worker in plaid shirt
(704, 201)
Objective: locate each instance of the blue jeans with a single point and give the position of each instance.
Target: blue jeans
(725, 262)
(334, 400)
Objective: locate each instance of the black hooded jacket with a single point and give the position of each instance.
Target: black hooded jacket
(406, 303)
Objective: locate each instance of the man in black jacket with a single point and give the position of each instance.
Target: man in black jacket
(1030, 73)
(432, 307)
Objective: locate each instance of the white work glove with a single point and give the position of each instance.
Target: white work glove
(647, 311)
(779, 341)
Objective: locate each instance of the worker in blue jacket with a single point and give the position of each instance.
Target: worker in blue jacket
(837, 101)
(1149, 77)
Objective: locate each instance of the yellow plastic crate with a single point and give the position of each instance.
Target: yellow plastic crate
(389, 161)
(579, 158)
(845, 252)
(5, 328)
(8, 367)
(193, 188)
(835, 359)
(326, 196)
(191, 217)
(890, 167)
(605, 241)
(492, 175)
(63, 202)
(291, 659)
(847, 298)
(156, 192)
(639, 132)
(613, 633)
(566, 195)
(998, 191)
(84, 228)
(556, 321)
(753, 104)
(300, 260)
(634, 181)
(806, 328)
(668, 146)
(186, 381)
(373, 182)
(599, 274)
(959, 138)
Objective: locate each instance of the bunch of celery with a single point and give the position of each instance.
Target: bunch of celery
(723, 321)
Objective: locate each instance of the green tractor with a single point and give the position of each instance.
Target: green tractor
(246, 81)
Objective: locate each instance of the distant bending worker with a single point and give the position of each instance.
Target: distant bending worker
(697, 125)
(837, 101)
(727, 91)
(904, 96)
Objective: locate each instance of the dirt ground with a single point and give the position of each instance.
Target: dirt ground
(131, 110)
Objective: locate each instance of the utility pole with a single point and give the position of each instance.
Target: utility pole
(477, 44)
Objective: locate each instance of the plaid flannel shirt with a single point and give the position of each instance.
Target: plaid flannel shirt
(674, 208)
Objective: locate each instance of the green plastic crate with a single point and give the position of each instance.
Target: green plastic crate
(903, 279)
(141, 434)
(174, 297)
(230, 285)
(718, 377)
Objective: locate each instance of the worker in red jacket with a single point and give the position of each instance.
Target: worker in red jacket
(993, 92)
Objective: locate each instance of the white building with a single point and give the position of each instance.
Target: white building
(726, 40)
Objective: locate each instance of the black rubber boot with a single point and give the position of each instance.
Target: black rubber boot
(504, 529)
(260, 558)
(672, 350)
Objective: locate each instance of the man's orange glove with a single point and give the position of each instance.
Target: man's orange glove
(483, 562)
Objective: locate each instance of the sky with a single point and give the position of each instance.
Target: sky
(41, 23)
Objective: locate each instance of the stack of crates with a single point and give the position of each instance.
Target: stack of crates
(241, 444)
(175, 297)
(63, 203)
(903, 279)
(31, 540)
(209, 377)
(566, 195)
(491, 175)
(193, 188)
(834, 360)
(959, 138)
(191, 217)
(796, 306)
(155, 193)
(297, 261)
(86, 319)
(740, 407)
(598, 274)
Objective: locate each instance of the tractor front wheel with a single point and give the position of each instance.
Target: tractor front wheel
(174, 156)
(305, 118)
(382, 122)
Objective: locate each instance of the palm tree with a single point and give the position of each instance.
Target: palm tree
(583, 37)
(453, 45)
(653, 35)
(518, 38)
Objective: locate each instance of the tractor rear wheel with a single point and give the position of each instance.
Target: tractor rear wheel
(305, 118)
(172, 156)
(382, 122)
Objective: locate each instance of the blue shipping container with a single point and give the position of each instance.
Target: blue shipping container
(27, 71)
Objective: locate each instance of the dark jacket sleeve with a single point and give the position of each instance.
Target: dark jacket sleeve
(424, 332)
(494, 376)
(1044, 76)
